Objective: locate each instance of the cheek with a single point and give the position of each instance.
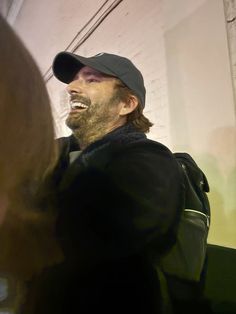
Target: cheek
(100, 94)
(96, 97)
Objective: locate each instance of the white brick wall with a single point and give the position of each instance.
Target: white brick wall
(181, 48)
(137, 33)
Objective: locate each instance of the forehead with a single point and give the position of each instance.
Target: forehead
(86, 71)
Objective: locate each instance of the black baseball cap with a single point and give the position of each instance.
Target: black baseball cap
(66, 65)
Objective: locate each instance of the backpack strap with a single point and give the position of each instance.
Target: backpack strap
(196, 185)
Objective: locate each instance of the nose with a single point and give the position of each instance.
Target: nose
(74, 86)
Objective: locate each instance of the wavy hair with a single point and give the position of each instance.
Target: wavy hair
(136, 117)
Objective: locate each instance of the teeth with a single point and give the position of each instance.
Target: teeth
(78, 105)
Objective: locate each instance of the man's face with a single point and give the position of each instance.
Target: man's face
(93, 100)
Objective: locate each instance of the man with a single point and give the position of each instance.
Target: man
(120, 200)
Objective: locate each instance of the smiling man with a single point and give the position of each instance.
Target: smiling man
(119, 202)
(96, 108)
(104, 90)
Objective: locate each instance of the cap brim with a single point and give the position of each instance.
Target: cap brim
(66, 65)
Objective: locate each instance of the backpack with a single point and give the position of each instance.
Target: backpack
(182, 270)
(186, 259)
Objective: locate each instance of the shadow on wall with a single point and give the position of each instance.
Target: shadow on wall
(209, 165)
(221, 167)
(190, 63)
(194, 117)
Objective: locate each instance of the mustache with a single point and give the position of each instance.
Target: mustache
(78, 98)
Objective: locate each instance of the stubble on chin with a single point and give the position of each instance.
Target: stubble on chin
(90, 127)
(72, 122)
(92, 124)
(88, 130)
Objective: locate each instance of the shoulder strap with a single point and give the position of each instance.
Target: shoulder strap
(196, 184)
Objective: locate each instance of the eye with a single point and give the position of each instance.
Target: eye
(92, 80)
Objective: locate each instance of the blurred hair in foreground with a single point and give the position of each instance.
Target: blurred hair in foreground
(26, 129)
(28, 154)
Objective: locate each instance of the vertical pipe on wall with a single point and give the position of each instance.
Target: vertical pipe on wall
(230, 17)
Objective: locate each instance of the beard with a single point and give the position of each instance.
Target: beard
(93, 123)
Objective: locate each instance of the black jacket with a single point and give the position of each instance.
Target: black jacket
(119, 205)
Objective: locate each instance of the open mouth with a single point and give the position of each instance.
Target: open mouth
(78, 106)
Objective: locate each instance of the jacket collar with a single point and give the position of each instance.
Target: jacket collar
(99, 153)
(123, 135)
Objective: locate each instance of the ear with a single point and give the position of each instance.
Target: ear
(129, 106)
